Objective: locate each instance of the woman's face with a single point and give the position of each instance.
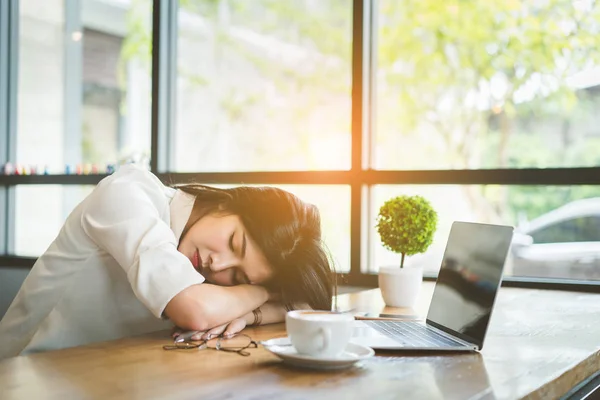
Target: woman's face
(221, 250)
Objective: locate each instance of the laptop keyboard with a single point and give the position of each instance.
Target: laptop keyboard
(412, 334)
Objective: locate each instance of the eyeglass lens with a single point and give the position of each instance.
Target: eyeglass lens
(237, 344)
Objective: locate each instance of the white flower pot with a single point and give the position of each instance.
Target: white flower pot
(400, 287)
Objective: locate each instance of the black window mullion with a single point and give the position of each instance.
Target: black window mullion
(518, 177)
(164, 67)
(359, 15)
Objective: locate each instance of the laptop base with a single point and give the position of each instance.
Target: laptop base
(380, 335)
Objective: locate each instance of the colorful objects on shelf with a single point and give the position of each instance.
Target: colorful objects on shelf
(70, 169)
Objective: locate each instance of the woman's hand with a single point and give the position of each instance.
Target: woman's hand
(228, 329)
(177, 331)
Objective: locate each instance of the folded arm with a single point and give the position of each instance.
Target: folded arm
(202, 307)
(271, 313)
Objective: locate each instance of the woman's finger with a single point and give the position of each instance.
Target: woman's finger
(216, 331)
(176, 331)
(198, 335)
(234, 327)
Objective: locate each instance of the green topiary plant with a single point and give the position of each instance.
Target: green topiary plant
(406, 225)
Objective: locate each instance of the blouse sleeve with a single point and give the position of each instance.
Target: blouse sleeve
(123, 217)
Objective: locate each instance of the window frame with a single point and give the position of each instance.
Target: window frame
(361, 178)
(9, 31)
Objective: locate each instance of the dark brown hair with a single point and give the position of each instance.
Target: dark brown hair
(286, 229)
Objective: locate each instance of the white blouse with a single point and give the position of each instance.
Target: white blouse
(110, 272)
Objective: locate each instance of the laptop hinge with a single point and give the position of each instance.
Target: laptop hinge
(456, 339)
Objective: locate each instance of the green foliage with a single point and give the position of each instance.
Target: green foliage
(436, 57)
(488, 81)
(406, 225)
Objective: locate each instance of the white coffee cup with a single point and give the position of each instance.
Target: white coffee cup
(321, 334)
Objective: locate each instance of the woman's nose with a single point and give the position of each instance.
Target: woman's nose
(220, 262)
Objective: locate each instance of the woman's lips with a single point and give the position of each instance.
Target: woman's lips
(196, 259)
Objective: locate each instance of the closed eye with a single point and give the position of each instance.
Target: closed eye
(243, 248)
(231, 242)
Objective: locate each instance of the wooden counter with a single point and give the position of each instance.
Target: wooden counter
(539, 345)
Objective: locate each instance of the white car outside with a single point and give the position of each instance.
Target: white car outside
(563, 243)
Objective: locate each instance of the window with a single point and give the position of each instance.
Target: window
(83, 103)
(263, 85)
(487, 85)
(544, 213)
(333, 202)
(40, 212)
(486, 109)
(41, 86)
(84, 84)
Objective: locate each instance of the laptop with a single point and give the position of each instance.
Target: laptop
(463, 298)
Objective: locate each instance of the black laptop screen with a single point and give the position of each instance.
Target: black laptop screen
(469, 278)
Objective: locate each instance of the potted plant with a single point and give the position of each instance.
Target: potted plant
(406, 225)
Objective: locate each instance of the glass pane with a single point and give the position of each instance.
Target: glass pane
(263, 85)
(41, 210)
(487, 84)
(333, 203)
(84, 83)
(557, 231)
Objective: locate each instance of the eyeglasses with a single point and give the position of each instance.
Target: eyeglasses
(234, 344)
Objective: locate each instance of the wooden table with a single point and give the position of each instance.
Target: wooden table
(540, 344)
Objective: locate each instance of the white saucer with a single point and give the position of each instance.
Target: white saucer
(282, 348)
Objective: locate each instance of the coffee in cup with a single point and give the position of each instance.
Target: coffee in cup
(322, 334)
